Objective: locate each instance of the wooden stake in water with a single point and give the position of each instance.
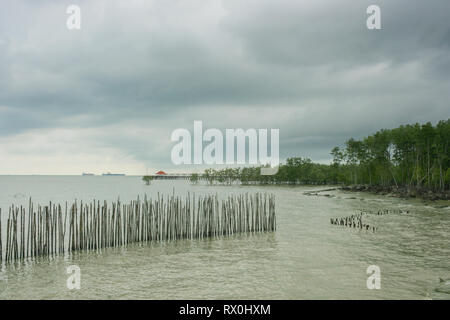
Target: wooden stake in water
(94, 226)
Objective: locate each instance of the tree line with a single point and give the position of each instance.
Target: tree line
(408, 156)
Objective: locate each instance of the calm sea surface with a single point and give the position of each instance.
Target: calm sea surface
(306, 258)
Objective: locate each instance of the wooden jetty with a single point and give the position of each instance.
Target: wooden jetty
(178, 176)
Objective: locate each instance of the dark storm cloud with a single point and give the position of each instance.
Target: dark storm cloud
(139, 69)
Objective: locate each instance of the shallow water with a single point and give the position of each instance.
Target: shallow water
(305, 258)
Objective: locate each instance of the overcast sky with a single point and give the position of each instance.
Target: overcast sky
(108, 96)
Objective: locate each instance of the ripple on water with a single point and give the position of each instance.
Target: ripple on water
(305, 258)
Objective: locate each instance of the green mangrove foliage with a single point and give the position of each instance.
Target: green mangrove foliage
(410, 156)
(407, 156)
(194, 178)
(147, 179)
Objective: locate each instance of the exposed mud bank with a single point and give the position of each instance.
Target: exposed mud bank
(401, 192)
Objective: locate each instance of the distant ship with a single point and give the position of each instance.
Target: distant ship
(113, 174)
(87, 174)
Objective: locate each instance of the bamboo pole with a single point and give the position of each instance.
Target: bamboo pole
(95, 225)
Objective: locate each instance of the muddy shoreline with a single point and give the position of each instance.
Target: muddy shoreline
(401, 192)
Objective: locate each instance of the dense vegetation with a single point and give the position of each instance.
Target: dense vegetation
(407, 156)
(147, 179)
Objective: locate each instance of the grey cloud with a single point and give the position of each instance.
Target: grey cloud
(310, 68)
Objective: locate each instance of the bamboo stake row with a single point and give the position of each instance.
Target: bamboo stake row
(52, 229)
